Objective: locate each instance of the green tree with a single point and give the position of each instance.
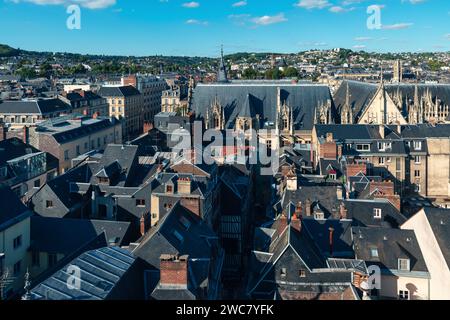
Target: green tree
(26, 72)
(291, 72)
(273, 74)
(250, 73)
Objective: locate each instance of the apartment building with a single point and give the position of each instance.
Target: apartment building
(151, 87)
(68, 137)
(126, 103)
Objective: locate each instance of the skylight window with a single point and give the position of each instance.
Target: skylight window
(178, 236)
(374, 253)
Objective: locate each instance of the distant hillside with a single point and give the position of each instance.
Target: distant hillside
(7, 51)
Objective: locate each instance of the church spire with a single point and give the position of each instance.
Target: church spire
(222, 74)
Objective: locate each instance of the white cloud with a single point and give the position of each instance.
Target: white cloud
(397, 26)
(266, 20)
(197, 22)
(90, 4)
(448, 36)
(192, 4)
(313, 4)
(359, 47)
(414, 1)
(240, 4)
(339, 9)
(363, 38)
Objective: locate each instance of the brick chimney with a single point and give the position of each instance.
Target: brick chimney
(184, 185)
(3, 132)
(308, 207)
(282, 223)
(26, 134)
(148, 126)
(329, 137)
(296, 221)
(174, 270)
(343, 211)
(331, 230)
(142, 225)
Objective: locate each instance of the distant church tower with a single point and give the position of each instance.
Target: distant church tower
(222, 73)
(346, 111)
(397, 71)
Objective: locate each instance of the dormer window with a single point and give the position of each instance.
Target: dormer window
(363, 147)
(417, 145)
(102, 180)
(377, 213)
(403, 265)
(169, 189)
(283, 272)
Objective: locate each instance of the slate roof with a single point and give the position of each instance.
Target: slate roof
(362, 213)
(422, 131)
(392, 244)
(101, 271)
(180, 232)
(124, 91)
(261, 99)
(65, 236)
(12, 210)
(61, 185)
(439, 220)
(38, 107)
(361, 93)
(342, 236)
(85, 129)
(349, 131)
(306, 249)
(323, 194)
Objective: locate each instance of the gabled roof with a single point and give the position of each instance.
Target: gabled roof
(439, 220)
(61, 185)
(38, 107)
(180, 232)
(304, 99)
(12, 210)
(65, 236)
(101, 271)
(125, 91)
(362, 213)
(323, 194)
(390, 245)
(197, 240)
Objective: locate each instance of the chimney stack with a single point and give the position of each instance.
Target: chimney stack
(282, 224)
(343, 211)
(142, 225)
(184, 185)
(331, 229)
(308, 207)
(26, 134)
(174, 270)
(296, 222)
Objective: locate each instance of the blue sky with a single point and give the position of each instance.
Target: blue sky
(185, 27)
